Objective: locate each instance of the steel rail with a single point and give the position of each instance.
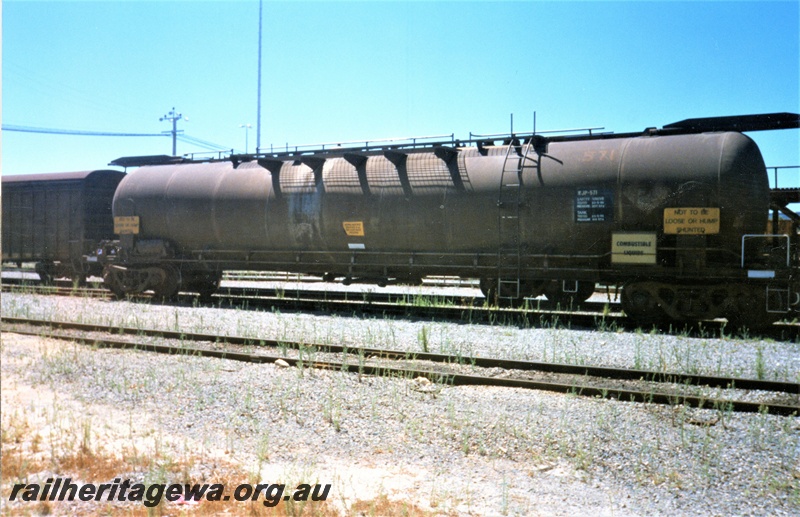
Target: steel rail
(60, 289)
(393, 302)
(483, 362)
(683, 380)
(540, 313)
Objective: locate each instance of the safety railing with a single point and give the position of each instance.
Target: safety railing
(756, 257)
(366, 145)
(783, 172)
(496, 136)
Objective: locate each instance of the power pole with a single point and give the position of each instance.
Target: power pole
(174, 117)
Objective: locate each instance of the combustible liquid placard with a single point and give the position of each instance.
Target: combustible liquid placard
(633, 248)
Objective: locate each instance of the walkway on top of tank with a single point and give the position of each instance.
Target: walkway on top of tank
(448, 143)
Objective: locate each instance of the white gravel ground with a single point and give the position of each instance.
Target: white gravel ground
(465, 450)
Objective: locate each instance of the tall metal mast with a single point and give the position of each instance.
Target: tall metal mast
(258, 114)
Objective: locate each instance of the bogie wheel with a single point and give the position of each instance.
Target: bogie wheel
(204, 284)
(46, 271)
(168, 288)
(113, 283)
(488, 287)
(641, 305)
(749, 311)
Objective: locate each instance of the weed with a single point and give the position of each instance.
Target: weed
(760, 363)
(332, 409)
(422, 337)
(504, 496)
(263, 448)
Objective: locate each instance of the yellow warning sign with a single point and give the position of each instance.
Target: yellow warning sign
(633, 248)
(691, 221)
(354, 228)
(126, 225)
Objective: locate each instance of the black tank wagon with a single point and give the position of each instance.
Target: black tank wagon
(58, 220)
(675, 215)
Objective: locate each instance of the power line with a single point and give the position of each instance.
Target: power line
(33, 79)
(73, 132)
(53, 131)
(202, 143)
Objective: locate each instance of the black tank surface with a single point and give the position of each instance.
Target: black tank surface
(676, 217)
(573, 196)
(212, 206)
(584, 190)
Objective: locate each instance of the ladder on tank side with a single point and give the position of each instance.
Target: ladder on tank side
(509, 206)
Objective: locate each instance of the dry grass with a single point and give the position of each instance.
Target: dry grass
(88, 466)
(385, 507)
(44, 435)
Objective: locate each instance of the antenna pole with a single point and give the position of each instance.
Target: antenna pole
(258, 114)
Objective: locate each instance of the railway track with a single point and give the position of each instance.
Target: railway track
(671, 388)
(59, 290)
(29, 275)
(537, 313)
(326, 295)
(446, 307)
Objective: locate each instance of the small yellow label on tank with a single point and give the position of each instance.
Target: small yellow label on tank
(691, 221)
(126, 225)
(354, 228)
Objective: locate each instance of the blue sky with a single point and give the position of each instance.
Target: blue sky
(340, 71)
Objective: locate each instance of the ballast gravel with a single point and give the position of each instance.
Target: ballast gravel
(453, 450)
